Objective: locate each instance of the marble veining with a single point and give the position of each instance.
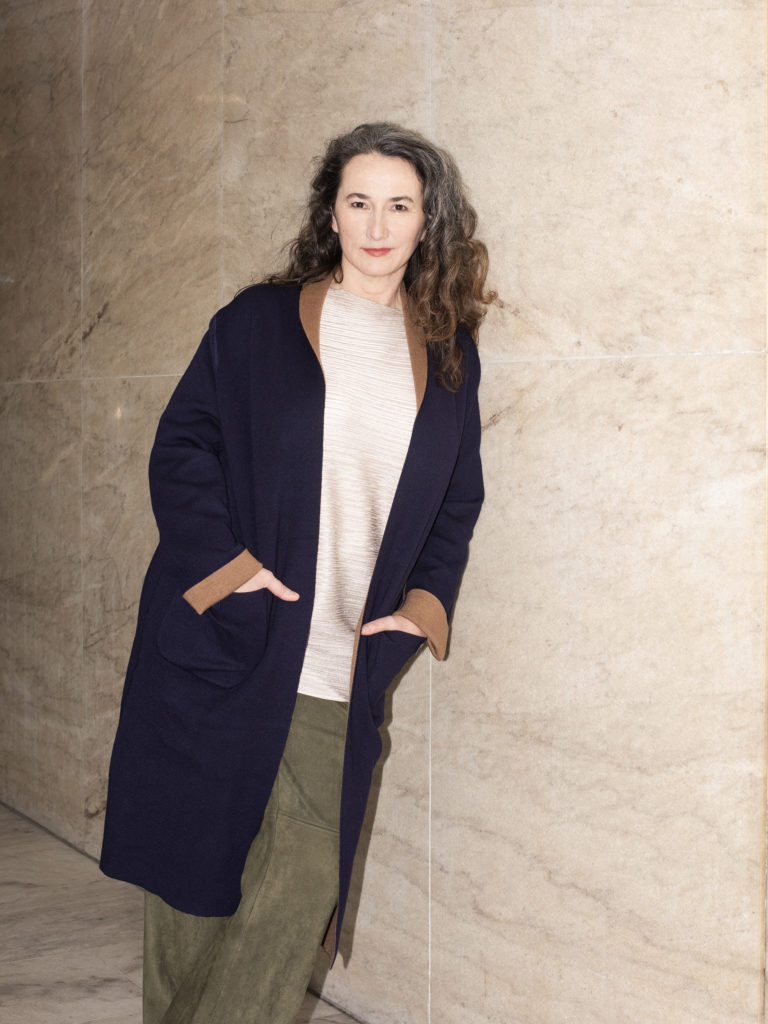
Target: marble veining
(40, 602)
(604, 798)
(152, 214)
(40, 181)
(616, 154)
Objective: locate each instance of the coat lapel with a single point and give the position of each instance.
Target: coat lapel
(311, 307)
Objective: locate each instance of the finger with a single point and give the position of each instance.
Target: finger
(406, 626)
(396, 622)
(280, 590)
(258, 581)
(378, 625)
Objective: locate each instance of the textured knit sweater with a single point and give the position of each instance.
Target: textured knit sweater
(370, 406)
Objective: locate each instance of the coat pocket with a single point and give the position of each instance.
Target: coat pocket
(388, 652)
(224, 644)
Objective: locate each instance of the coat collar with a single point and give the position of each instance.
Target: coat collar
(311, 306)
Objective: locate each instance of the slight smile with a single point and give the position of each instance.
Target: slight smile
(377, 252)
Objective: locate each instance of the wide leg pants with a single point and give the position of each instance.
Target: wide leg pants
(254, 967)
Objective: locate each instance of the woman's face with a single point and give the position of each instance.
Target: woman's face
(379, 219)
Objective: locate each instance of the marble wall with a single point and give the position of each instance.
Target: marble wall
(570, 821)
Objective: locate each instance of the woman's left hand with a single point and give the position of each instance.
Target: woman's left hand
(398, 622)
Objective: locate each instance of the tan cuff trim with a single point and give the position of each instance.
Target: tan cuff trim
(223, 582)
(427, 612)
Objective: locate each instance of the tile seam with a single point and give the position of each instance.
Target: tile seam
(429, 850)
(91, 380)
(488, 360)
(224, 12)
(82, 826)
(431, 119)
(762, 951)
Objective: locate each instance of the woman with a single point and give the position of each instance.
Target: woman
(316, 480)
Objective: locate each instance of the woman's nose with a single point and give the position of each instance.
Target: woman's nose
(377, 227)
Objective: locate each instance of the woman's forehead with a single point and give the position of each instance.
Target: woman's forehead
(375, 174)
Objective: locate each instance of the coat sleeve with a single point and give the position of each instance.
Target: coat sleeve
(431, 587)
(189, 491)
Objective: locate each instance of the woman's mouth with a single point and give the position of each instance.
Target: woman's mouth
(377, 252)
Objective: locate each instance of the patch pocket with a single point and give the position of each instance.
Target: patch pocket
(224, 644)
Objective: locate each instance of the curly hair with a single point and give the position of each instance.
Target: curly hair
(445, 276)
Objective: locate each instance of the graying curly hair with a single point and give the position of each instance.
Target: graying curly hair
(445, 276)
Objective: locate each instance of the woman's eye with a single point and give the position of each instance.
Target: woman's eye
(357, 204)
(401, 206)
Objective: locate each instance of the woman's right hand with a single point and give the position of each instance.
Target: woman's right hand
(265, 579)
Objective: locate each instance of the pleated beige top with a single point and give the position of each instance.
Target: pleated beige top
(370, 406)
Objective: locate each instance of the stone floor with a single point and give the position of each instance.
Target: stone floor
(70, 939)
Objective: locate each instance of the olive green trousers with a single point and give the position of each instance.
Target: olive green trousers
(254, 967)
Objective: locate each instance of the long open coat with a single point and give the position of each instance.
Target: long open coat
(235, 477)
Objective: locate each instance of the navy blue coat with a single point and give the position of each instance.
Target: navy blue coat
(211, 683)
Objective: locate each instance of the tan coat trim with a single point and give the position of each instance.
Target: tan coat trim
(417, 348)
(311, 306)
(222, 582)
(427, 612)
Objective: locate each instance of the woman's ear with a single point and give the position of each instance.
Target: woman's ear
(334, 225)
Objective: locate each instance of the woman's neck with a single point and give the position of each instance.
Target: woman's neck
(386, 290)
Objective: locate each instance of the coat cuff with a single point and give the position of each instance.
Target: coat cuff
(427, 612)
(223, 582)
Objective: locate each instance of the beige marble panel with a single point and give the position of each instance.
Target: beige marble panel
(597, 829)
(615, 155)
(625, 509)
(152, 161)
(119, 535)
(40, 185)
(578, 880)
(558, 7)
(385, 934)
(290, 84)
(40, 603)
